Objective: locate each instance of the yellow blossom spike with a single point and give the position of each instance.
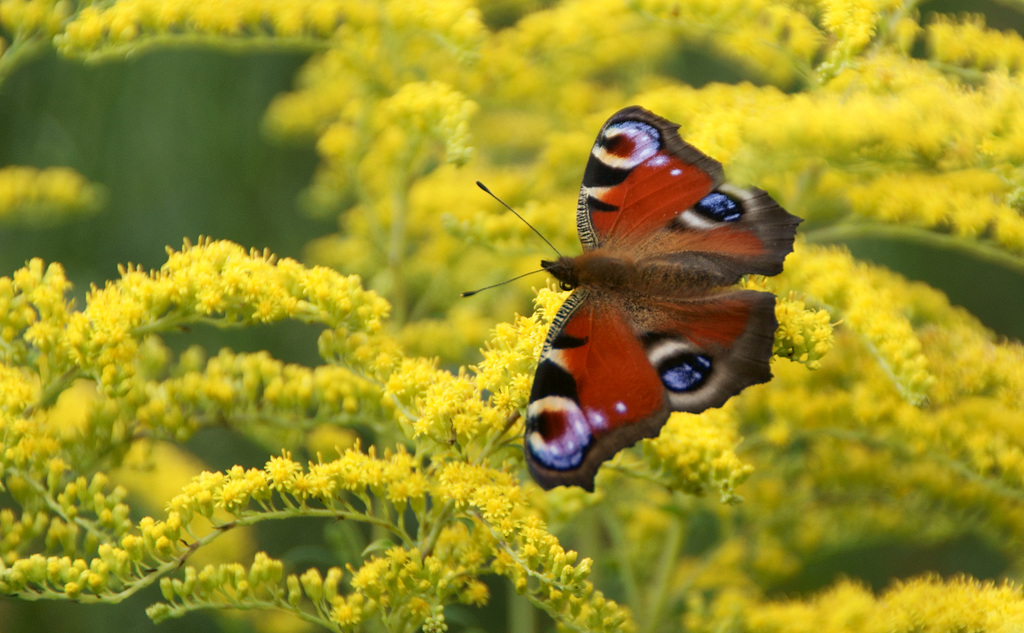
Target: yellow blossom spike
(99, 33)
(46, 196)
(846, 286)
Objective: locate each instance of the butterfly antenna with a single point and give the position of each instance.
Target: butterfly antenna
(502, 283)
(532, 228)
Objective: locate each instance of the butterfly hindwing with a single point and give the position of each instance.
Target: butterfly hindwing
(707, 350)
(594, 392)
(607, 378)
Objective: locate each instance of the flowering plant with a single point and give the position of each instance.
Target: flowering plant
(892, 424)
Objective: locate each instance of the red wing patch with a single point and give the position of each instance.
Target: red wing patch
(593, 381)
(639, 176)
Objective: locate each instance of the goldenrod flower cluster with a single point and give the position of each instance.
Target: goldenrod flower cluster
(124, 26)
(41, 196)
(929, 603)
(892, 423)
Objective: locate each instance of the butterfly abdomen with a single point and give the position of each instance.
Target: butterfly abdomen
(609, 271)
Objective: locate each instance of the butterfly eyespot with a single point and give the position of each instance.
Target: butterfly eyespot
(570, 432)
(718, 207)
(684, 372)
(624, 145)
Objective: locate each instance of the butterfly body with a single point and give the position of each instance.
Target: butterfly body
(607, 270)
(651, 326)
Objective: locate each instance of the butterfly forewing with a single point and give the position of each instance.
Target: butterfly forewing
(639, 176)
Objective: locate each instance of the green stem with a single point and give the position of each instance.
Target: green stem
(318, 618)
(984, 251)
(519, 619)
(52, 390)
(620, 547)
(54, 507)
(435, 530)
(19, 50)
(662, 579)
(140, 584)
(501, 542)
(495, 440)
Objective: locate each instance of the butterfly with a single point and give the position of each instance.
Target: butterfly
(652, 325)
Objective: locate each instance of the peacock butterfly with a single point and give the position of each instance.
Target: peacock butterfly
(651, 326)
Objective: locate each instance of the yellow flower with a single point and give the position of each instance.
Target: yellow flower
(854, 21)
(45, 196)
(282, 471)
(958, 604)
(865, 299)
(347, 611)
(694, 453)
(965, 41)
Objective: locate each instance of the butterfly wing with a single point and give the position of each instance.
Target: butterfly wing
(639, 176)
(594, 392)
(647, 191)
(706, 350)
(608, 378)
